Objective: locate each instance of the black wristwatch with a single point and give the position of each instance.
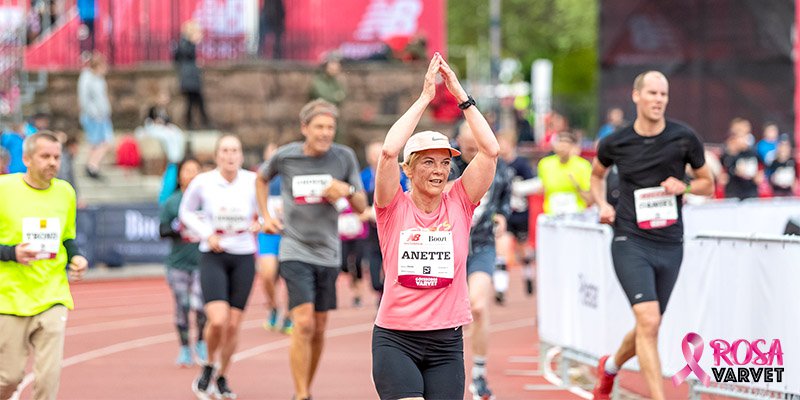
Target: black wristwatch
(467, 104)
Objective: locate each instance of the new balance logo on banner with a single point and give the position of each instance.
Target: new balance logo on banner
(389, 18)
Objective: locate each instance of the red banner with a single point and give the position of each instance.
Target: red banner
(359, 28)
(134, 31)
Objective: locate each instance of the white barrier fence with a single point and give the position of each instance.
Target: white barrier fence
(760, 216)
(729, 288)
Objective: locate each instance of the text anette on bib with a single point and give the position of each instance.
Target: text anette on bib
(425, 259)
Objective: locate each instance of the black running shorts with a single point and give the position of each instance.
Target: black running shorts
(309, 283)
(227, 277)
(647, 270)
(428, 364)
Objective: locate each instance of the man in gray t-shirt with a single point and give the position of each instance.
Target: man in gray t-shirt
(318, 179)
(310, 232)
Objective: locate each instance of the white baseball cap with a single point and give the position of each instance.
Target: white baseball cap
(428, 140)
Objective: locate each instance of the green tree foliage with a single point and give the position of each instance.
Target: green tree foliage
(564, 31)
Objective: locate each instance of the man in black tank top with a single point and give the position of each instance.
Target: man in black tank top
(647, 250)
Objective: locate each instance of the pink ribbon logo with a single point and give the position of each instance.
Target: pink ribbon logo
(692, 357)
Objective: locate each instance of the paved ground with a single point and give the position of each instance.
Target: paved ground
(121, 345)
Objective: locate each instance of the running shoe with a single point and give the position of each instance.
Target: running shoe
(287, 326)
(201, 351)
(184, 357)
(271, 323)
(605, 381)
(529, 286)
(223, 391)
(201, 386)
(500, 298)
(480, 389)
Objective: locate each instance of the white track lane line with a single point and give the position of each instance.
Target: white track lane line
(252, 352)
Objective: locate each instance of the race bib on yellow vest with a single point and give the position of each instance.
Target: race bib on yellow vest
(42, 234)
(563, 203)
(425, 259)
(655, 208)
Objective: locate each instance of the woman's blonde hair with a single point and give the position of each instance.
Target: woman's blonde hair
(408, 164)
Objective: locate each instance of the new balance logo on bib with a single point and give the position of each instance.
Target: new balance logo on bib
(425, 259)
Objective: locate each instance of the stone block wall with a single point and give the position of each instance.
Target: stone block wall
(259, 101)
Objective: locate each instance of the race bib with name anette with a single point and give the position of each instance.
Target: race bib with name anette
(425, 259)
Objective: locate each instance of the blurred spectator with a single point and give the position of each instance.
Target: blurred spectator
(782, 172)
(524, 128)
(189, 74)
(715, 167)
(444, 106)
(416, 49)
(158, 113)
(372, 249)
(520, 170)
(741, 163)
(565, 177)
(69, 150)
(157, 125)
(3, 161)
(38, 122)
(40, 18)
(95, 112)
(43, 16)
(207, 165)
(523, 184)
(128, 154)
(11, 141)
(327, 83)
(615, 118)
(406, 48)
(87, 11)
(554, 124)
(272, 21)
(353, 233)
(768, 144)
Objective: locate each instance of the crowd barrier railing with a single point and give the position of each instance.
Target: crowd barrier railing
(732, 286)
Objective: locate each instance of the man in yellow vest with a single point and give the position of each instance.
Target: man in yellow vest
(565, 177)
(37, 243)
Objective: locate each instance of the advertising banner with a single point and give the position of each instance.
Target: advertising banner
(731, 319)
(120, 234)
(133, 31)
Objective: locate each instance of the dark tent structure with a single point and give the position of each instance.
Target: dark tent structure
(724, 59)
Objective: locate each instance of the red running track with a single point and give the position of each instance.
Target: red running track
(121, 344)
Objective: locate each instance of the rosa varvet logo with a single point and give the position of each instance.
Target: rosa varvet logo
(737, 361)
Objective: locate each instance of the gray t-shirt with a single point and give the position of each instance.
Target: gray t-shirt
(310, 223)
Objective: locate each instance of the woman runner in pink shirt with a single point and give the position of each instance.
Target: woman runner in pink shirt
(417, 343)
